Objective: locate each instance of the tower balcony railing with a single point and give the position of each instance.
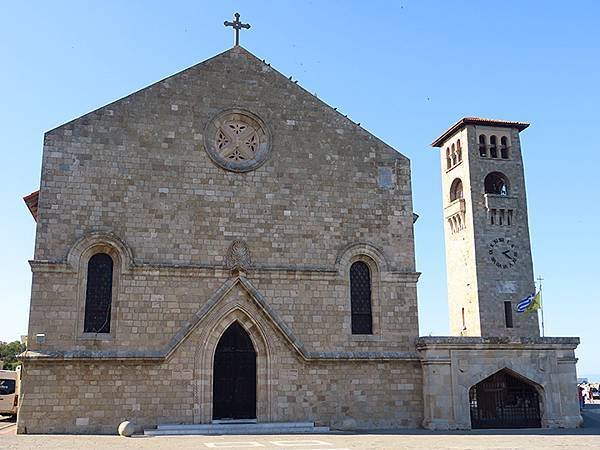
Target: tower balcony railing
(496, 201)
(455, 207)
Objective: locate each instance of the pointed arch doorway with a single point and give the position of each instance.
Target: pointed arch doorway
(234, 375)
(504, 401)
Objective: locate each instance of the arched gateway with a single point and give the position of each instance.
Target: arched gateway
(504, 401)
(234, 375)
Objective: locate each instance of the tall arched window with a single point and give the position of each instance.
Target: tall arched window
(454, 158)
(448, 159)
(98, 294)
(482, 146)
(456, 190)
(496, 183)
(493, 147)
(504, 147)
(360, 298)
(458, 151)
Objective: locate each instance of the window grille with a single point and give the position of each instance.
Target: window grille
(360, 298)
(98, 295)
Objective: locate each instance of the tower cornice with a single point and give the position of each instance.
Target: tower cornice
(476, 121)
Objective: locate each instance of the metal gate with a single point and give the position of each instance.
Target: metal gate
(504, 401)
(234, 376)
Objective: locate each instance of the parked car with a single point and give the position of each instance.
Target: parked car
(10, 383)
(595, 394)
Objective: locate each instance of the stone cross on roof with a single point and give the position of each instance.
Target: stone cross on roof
(237, 25)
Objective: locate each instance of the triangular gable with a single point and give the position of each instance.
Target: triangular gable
(261, 67)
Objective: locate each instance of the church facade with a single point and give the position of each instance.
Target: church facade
(222, 245)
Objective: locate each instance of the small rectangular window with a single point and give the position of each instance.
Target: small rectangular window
(492, 216)
(508, 318)
(509, 217)
(501, 217)
(464, 324)
(7, 387)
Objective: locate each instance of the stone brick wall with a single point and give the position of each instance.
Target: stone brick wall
(338, 390)
(153, 304)
(133, 179)
(137, 168)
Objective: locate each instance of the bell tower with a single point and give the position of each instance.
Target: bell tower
(488, 252)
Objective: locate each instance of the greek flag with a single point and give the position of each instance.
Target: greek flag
(523, 304)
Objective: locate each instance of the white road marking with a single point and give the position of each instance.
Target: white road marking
(8, 429)
(244, 444)
(298, 443)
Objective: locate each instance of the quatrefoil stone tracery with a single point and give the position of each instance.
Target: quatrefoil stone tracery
(237, 141)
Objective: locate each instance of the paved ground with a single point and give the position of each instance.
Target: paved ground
(587, 437)
(402, 440)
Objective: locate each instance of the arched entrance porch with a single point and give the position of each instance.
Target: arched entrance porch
(504, 400)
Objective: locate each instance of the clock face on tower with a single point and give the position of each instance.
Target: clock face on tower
(503, 253)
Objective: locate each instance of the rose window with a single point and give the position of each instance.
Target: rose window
(237, 141)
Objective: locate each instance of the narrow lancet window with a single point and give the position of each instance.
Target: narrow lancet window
(98, 295)
(482, 146)
(508, 317)
(454, 156)
(504, 147)
(493, 147)
(360, 298)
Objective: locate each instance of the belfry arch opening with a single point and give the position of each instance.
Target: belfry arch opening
(234, 375)
(496, 183)
(456, 190)
(504, 400)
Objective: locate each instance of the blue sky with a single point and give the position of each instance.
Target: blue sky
(406, 70)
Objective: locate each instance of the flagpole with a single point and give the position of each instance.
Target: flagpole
(540, 279)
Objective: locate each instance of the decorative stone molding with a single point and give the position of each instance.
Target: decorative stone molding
(237, 140)
(348, 254)
(238, 257)
(94, 243)
(493, 342)
(204, 362)
(217, 270)
(77, 260)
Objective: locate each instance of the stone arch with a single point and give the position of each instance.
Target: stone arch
(374, 258)
(78, 258)
(97, 242)
(204, 363)
(349, 254)
(527, 375)
(530, 379)
(456, 190)
(496, 183)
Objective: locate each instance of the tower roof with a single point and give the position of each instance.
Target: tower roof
(477, 121)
